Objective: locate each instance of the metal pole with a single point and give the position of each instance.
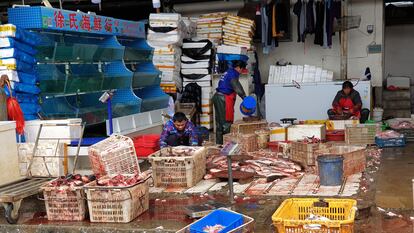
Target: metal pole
(111, 128)
(230, 179)
(344, 43)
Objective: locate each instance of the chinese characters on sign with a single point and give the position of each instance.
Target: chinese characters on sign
(81, 22)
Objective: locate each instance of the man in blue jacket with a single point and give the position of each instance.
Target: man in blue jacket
(225, 97)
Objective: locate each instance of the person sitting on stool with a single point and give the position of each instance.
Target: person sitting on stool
(347, 103)
(179, 131)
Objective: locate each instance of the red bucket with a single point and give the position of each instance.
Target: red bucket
(146, 144)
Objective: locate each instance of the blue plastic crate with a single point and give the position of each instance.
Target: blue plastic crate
(225, 218)
(390, 142)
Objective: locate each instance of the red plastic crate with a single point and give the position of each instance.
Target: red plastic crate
(335, 135)
(146, 144)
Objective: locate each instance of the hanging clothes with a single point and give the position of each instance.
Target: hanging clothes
(257, 79)
(297, 10)
(282, 19)
(334, 13)
(258, 22)
(310, 17)
(320, 15)
(325, 35)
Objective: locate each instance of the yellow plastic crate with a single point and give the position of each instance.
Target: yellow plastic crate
(292, 214)
(315, 122)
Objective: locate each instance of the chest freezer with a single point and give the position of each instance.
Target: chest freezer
(309, 102)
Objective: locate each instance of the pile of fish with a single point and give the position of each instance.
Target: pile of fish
(258, 163)
(122, 180)
(402, 125)
(179, 151)
(388, 134)
(70, 182)
(213, 229)
(311, 140)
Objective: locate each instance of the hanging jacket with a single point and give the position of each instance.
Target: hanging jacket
(320, 15)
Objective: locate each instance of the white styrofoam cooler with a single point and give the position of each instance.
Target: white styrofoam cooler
(339, 124)
(54, 132)
(300, 132)
(9, 161)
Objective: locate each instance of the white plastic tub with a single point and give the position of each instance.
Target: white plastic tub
(70, 132)
(299, 132)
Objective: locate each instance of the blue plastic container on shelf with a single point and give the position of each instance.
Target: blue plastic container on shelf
(390, 142)
(330, 169)
(227, 219)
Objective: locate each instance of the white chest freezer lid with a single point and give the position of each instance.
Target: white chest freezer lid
(7, 125)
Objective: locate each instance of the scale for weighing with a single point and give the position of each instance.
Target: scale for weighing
(198, 211)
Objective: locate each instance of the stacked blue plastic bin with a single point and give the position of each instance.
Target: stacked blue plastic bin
(17, 61)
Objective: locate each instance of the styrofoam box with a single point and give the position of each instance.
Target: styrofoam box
(231, 50)
(209, 125)
(400, 82)
(206, 92)
(206, 78)
(300, 132)
(194, 45)
(54, 165)
(201, 84)
(339, 124)
(53, 132)
(206, 117)
(9, 162)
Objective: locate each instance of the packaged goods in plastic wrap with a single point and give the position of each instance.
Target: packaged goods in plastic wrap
(231, 50)
(10, 30)
(20, 77)
(12, 43)
(191, 27)
(195, 71)
(164, 20)
(15, 64)
(25, 88)
(18, 54)
(199, 78)
(195, 65)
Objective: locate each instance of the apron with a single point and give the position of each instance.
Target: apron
(348, 106)
(230, 99)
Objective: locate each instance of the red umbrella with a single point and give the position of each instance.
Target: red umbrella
(14, 112)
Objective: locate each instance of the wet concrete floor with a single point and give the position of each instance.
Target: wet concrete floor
(394, 186)
(391, 190)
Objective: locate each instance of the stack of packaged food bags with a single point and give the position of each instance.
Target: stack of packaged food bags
(238, 31)
(18, 62)
(210, 26)
(165, 34)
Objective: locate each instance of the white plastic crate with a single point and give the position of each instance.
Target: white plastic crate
(299, 132)
(114, 155)
(31, 129)
(39, 167)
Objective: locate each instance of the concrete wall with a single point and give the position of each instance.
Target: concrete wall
(359, 39)
(399, 47)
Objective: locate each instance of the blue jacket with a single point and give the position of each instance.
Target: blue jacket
(224, 85)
